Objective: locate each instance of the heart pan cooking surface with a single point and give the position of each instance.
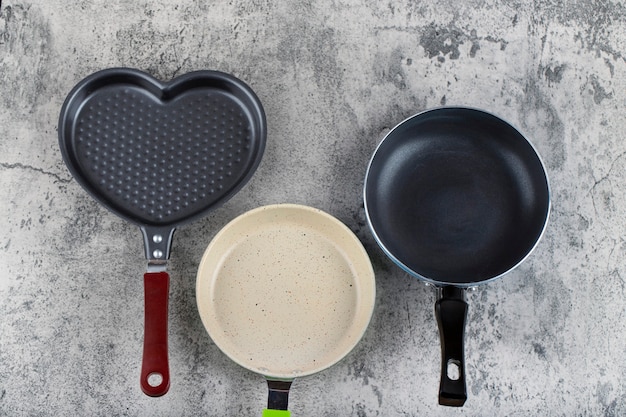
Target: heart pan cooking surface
(161, 154)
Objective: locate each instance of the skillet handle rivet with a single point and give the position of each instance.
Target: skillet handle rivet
(157, 253)
(157, 239)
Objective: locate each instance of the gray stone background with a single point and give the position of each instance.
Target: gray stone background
(334, 76)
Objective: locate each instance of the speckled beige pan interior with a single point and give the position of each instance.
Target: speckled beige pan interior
(285, 290)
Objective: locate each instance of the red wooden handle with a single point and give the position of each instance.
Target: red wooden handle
(155, 372)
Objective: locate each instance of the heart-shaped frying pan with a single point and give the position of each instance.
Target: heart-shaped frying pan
(160, 155)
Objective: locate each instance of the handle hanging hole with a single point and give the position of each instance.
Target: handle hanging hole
(155, 379)
(453, 370)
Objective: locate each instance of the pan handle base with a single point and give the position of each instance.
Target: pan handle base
(157, 243)
(278, 397)
(451, 314)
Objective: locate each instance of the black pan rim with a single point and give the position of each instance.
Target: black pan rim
(403, 266)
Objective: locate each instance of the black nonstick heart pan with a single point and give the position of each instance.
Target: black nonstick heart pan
(160, 155)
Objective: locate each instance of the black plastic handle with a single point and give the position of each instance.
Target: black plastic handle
(278, 397)
(451, 312)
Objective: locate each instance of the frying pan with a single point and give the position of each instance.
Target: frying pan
(160, 155)
(456, 197)
(285, 291)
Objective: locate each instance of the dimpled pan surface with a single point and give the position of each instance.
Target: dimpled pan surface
(161, 154)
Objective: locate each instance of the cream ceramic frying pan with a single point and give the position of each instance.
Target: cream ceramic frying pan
(285, 291)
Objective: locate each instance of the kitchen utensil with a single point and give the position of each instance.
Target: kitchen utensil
(160, 155)
(456, 197)
(285, 291)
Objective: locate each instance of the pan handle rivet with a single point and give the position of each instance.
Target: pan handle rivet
(157, 253)
(157, 238)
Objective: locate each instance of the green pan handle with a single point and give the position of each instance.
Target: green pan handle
(276, 413)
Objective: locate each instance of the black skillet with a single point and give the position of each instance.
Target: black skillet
(160, 155)
(456, 197)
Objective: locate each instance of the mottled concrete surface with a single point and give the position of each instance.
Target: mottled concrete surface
(333, 76)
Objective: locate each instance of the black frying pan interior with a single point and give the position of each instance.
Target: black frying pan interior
(456, 196)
